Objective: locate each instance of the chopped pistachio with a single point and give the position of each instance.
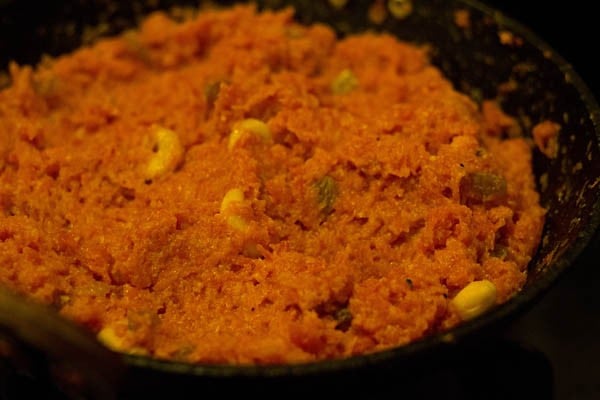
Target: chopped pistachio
(482, 187)
(327, 191)
(499, 251)
(343, 316)
(400, 9)
(344, 82)
(211, 93)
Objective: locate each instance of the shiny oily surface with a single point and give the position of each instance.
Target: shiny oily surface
(364, 194)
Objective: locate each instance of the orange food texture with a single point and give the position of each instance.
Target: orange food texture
(545, 136)
(372, 193)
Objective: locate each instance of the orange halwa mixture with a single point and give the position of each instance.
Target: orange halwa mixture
(238, 188)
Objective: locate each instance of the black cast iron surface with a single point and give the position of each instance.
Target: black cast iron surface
(565, 324)
(550, 351)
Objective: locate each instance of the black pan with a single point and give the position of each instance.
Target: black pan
(71, 363)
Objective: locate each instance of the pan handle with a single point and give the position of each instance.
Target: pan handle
(40, 347)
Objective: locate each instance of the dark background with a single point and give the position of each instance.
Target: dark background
(571, 28)
(565, 324)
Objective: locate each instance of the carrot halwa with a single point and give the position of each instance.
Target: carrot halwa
(239, 188)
